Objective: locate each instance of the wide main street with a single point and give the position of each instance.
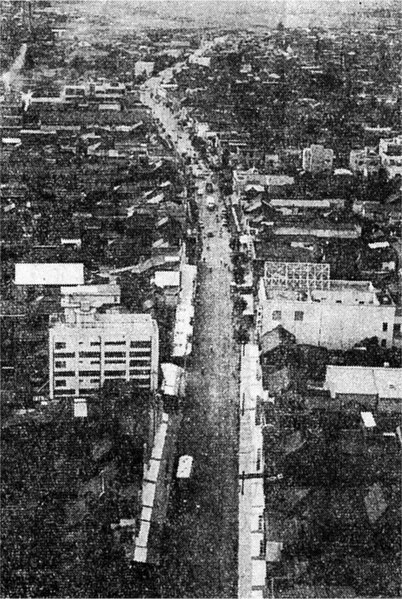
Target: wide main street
(200, 548)
(199, 545)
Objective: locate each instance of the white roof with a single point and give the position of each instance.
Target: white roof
(102, 289)
(362, 380)
(153, 471)
(368, 419)
(143, 534)
(11, 140)
(249, 309)
(146, 513)
(167, 278)
(273, 551)
(49, 273)
(140, 554)
(258, 572)
(148, 494)
(172, 375)
(185, 466)
(80, 408)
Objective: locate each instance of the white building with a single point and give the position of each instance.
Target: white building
(365, 161)
(336, 318)
(142, 67)
(390, 151)
(54, 274)
(87, 348)
(317, 159)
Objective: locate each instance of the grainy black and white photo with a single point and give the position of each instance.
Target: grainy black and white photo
(200, 301)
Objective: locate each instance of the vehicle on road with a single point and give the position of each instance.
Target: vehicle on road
(210, 202)
(210, 234)
(209, 188)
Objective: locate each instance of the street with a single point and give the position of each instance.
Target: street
(200, 545)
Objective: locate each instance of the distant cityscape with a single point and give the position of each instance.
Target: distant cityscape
(200, 298)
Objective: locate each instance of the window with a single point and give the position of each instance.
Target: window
(95, 343)
(115, 361)
(142, 378)
(260, 522)
(276, 315)
(383, 343)
(89, 354)
(385, 327)
(94, 381)
(397, 329)
(115, 343)
(65, 373)
(65, 355)
(262, 548)
(139, 363)
(140, 344)
(60, 383)
(299, 315)
(59, 345)
(64, 391)
(258, 461)
(88, 372)
(94, 362)
(115, 373)
(60, 364)
(140, 354)
(115, 354)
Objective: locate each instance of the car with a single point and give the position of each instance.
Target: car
(209, 187)
(224, 222)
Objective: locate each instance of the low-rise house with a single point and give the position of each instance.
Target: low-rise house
(374, 389)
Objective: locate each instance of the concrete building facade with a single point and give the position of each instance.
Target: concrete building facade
(317, 159)
(390, 151)
(87, 349)
(336, 318)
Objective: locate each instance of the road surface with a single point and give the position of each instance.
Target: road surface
(200, 545)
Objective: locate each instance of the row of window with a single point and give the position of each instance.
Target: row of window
(277, 315)
(134, 345)
(139, 362)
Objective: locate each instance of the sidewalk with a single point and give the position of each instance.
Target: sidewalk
(251, 558)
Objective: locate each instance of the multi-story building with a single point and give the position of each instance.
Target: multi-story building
(87, 347)
(337, 317)
(317, 159)
(365, 161)
(390, 151)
